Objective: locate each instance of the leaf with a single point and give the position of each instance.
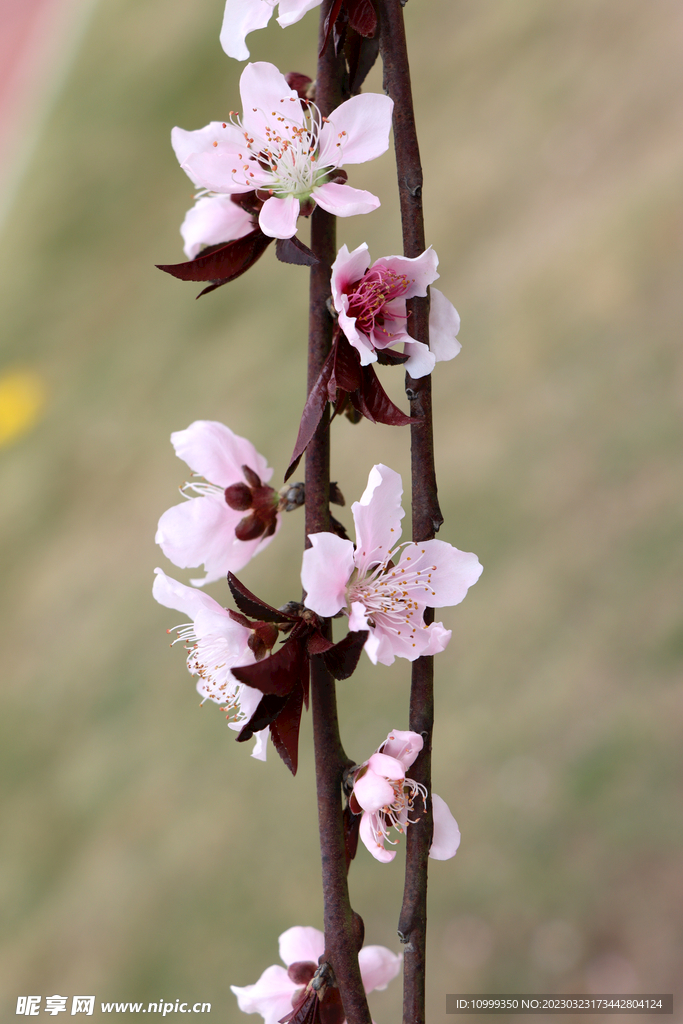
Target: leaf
(253, 606)
(387, 357)
(318, 644)
(376, 401)
(342, 659)
(346, 372)
(311, 416)
(361, 53)
(224, 263)
(338, 528)
(329, 23)
(268, 709)
(305, 1010)
(279, 673)
(293, 250)
(285, 729)
(362, 17)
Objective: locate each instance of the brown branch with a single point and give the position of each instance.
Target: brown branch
(341, 925)
(426, 513)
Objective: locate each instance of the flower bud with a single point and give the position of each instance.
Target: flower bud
(238, 496)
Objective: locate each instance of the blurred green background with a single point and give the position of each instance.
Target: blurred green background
(144, 854)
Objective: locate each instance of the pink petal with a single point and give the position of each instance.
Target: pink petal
(187, 600)
(278, 217)
(266, 97)
(358, 130)
(186, 143)
(446, 839)
(271, 995)
(301, 943)
(212, 220)
(214, 157)
(447, 583)
(421, 359)
(373, 791)
(240, 18)
(420, 271)
(377, 517)
(292, 11)
(212, 450)
(344, 201)
(327, 566)
(444, 324)
(439, 638)
(201, 531)
(403, 745)
(348, 268)
(362, 344)
(378, 852)
(378, 966)
(358, 618)
(386, 766)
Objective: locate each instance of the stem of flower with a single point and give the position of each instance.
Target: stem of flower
(341, 934)
(426, 513)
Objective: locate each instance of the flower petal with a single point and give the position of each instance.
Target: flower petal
(240, 18)
(212, 220)
(187, 600)
(327, 566)
(292, 11)
(387, 766)
(265, 95)
(357, 130)
(446, 838)
(378, 966)
(439, 638)
(344, 201)
(420, 270)
(186, 143)
(447, 572)
(377, 517)
(348, 268)
(271, 995)
(301, 943)
(403, 745)
(373, 791)
(421, 359)
(376, 849)
(213, 451)
(444, 324)
(278, 217)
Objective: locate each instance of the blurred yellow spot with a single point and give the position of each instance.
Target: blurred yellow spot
(22, 398)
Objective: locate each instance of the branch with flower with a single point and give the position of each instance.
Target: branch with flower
(256, 173)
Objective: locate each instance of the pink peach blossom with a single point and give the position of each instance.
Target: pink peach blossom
(371, 306)
(387, 799)
(244, 16)
(283, 147)
(216, 643)
(300, 949)
(382, 586)
(201, 530)
(211, 221)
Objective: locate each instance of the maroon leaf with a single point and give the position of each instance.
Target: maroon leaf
(298, 82)
(387, 357)
(346, 373)
(351, 825)
(377, 405)
(318, 644)
(341, 660)
(224, 263)
(361, 54)
(338, 528)
(285, 729)
(279, 673)
(249, 201)
(329, 23)
(293, 250)
(268, 709)
(305, 1009)
(311, 416)
(242, 619)
(362, 17)
(253, 606)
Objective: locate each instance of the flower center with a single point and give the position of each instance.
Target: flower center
(368, 297)
(286, 152)
(390, 594)
(398, 814)
(208, 658)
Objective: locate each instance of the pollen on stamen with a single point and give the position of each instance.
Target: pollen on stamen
(215, 144)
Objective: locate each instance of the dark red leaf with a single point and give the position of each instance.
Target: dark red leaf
(310, 418)
(362, 17)
(387, 357)
(361, 54)
(248, 201)
(305, 1010)
(298, 82)
(338, 528)
(329, 23)
(280, 673)
(341, 660)
(285, 729)
(351, 824)
(242, 619)
(377, 402)
(224, 263)
(346, 373)
(293, 250)
(318, 644)
(253, 606)
(268, 709)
